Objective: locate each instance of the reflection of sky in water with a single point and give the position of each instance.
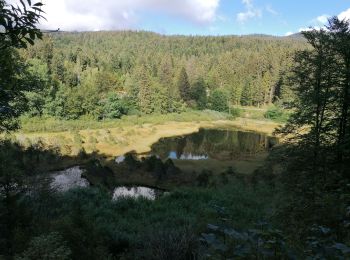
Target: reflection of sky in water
(187, 156)
(190, 156)
(207, 144)
(172, 155)
(68, 179)
(134, 192)
(120, 159)
(215, 144)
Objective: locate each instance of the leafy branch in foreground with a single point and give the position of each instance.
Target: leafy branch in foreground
(18, 24)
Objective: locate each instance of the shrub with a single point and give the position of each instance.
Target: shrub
(235, 112)
(114, 107)
(47, 247)
(131, 162)
(218, 100)
(274, 113)
(203, 178)
(173, 244)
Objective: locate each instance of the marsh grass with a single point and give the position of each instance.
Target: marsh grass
(128, 135)
(48, 124)
(92, 139)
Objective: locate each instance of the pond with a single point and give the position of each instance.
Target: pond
(68, 179)
(222, 145)
(208, 149)
(136, 192)
(72, 178)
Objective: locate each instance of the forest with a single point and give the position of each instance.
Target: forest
(237, 147)
(109, 74)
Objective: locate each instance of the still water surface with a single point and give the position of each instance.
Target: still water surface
(67, 179)
(136, 192)
(223, 145)
(72, 178)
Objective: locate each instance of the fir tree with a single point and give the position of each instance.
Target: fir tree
(184, 85)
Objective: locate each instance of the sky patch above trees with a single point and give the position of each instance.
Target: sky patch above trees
(192, 17)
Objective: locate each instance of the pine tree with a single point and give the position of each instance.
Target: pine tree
(184, 85)
(166, 80)
(199, 93)
(145, 92)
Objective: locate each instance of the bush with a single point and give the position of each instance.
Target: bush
(218, 100)
(235, 112)
(47, 247)
(131, 162)
(276, 113)
(203, 178)
(173, 244)
(114, 107)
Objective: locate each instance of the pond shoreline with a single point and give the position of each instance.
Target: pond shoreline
(111, 142)
(141, 139)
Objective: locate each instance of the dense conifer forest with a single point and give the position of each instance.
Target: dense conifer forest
(109, 74)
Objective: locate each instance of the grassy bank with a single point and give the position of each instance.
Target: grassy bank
(272, 113)
(119, 140)
(108, 139)
(36, 124)
(259, 116)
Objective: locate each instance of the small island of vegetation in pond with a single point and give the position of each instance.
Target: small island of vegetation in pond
(123, 144)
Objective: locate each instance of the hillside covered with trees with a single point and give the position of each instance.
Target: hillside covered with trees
(108, 74)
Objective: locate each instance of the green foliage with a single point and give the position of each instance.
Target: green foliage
(16, 80)
(318, 75)
(70, 76)
(203, 179)
(315, 161)
(46, 247)
(126, 228)
(276, 113)
(114, 107)
(49, 124)
(11, 171)
(177, 73)
(169, 244)
(184, 85)
(235, 112)
(219, 100)
(198, 93)
(131, 162)
(145, 92)
(10, 79)
(273, 112)
(19, 24)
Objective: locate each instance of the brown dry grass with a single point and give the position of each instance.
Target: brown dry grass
(139, 138)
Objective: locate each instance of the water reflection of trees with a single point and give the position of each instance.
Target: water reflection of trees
(217, 144)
